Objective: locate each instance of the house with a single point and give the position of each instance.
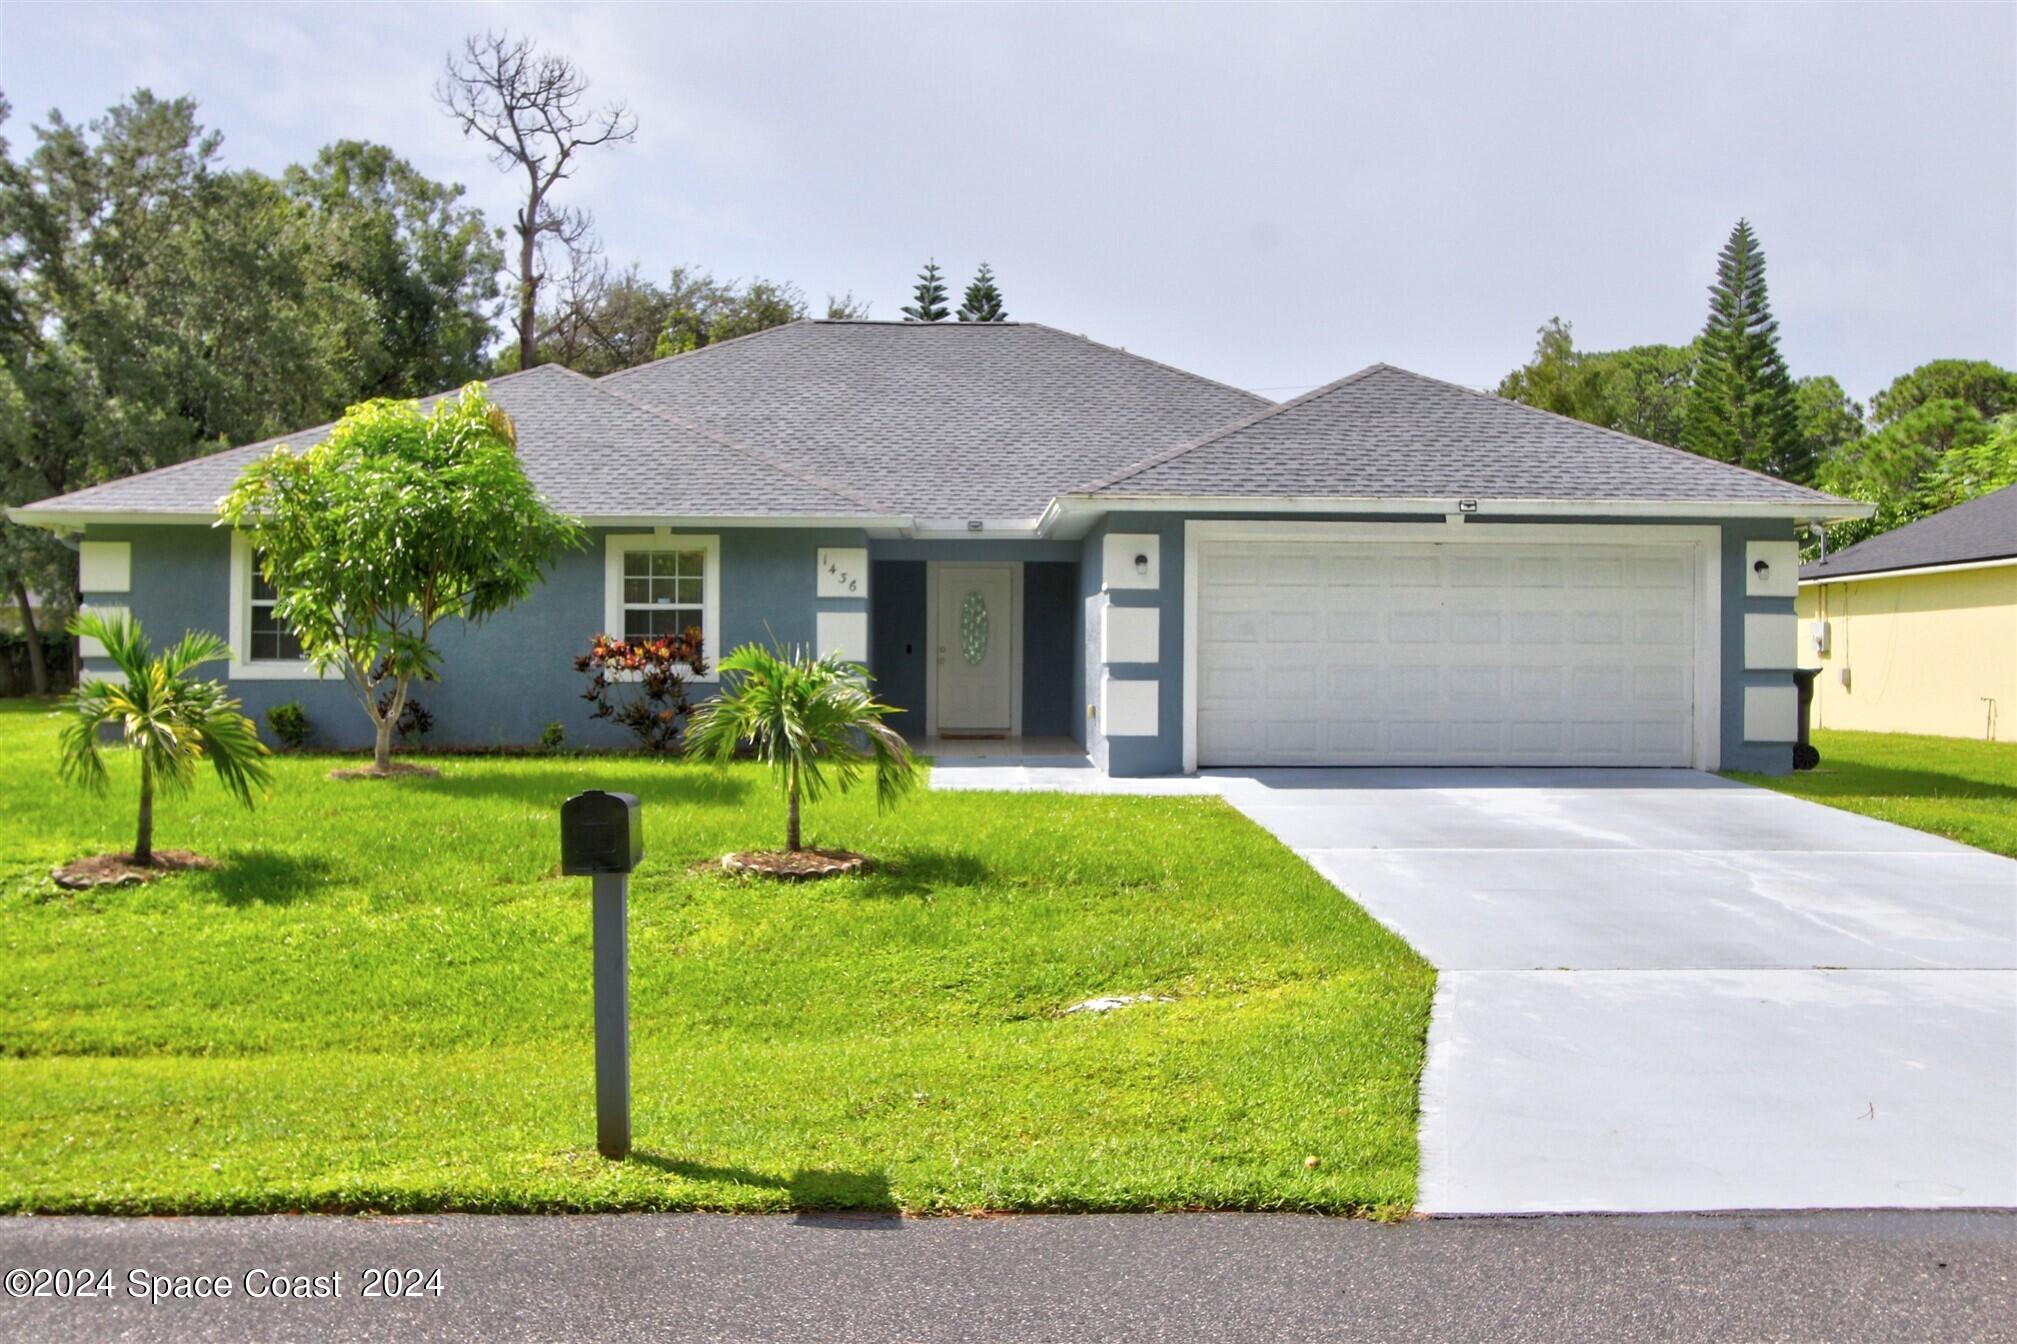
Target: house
(1915, 630)
(1023, 532)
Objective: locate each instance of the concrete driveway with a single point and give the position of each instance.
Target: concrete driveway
(1660, 990)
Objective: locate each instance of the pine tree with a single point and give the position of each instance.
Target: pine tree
(983, 301)
(928, 299)
(1742, 408)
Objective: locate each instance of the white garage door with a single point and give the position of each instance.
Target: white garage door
(1434, 653)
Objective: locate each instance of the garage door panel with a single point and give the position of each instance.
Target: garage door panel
(1471, 653)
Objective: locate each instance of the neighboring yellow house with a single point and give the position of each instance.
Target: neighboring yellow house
(1915, 631)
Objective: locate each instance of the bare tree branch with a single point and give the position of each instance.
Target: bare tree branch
(530, 107)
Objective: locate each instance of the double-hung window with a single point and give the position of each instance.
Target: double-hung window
(662, 583)
(270, 640)
(663, 592)
(261, 644)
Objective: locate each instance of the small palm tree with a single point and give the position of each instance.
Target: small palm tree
(173, 720)
(812, 720)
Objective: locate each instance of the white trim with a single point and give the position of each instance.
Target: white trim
(1829, 510)
(1910, 571)
(619, 544)
(932, 569)
(105, 566)
(238, 625)
(87, 647)
(76, 520)
(1707, 540)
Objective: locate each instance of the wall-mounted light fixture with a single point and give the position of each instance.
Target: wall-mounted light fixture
(973, 524)
(1467, 506)
(1142, 565)
(1761, 567)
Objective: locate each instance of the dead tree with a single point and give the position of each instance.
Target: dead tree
(529, 107)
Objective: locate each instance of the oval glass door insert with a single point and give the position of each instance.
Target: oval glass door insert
(973, 628)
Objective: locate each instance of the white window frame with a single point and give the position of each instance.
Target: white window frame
(620, 544)
(242, 666)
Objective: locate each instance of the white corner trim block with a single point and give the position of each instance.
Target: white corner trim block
(1771, 713)
(89, 647)
(1771, 640)
(1130, 635)
(1128, 708)
(1781, 577)
(105, 566)
(1131, 560)
(842, 632)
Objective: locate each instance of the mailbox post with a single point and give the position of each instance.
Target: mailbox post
(602, 838)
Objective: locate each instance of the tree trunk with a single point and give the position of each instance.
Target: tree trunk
(38, 666)
(791, 838)
(528, 289)
(381, 752)
(143, 843)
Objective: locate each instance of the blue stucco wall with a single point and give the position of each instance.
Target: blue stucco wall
(1163, 753)
(503, 681)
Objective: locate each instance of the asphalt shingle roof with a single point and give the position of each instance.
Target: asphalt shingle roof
(1981, 529)
(986, 420)
(948, 420)
(1385, 432)
(588, 449)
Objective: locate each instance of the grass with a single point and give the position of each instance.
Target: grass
(380, 1000)
(1962, 789)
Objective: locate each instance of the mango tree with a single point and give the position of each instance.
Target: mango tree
(396, 522)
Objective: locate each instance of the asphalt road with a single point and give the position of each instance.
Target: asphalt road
(1895, 1276)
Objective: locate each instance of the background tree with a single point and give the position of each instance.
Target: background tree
(530, 107)
(1640, 391)
(601, 321)
(1940, 454)
(173, 721)
(1991, 390)
(1741, 407)
(1829, 419)
(928, 297)
(426, 265)
(983, 302)
(395, 523)
(846, 308)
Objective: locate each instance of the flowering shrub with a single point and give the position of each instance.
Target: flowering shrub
(641, 684)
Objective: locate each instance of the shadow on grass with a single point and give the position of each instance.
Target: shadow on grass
(656, 784)
(918, 870)
(1837, 778)
(811, 1192)
(269, 877)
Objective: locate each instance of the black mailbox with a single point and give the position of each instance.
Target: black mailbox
(600, 833)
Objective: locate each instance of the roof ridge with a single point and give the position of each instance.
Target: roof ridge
(757, 454)
(1606, 429)
(1122, 350)
(701, 349)
(1266, 413)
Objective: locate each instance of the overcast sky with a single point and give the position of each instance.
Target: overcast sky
(1271, 196)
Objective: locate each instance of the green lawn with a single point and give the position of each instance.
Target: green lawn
(381, 1001)
(1951, 786)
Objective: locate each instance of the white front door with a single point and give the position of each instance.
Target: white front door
(976, 649)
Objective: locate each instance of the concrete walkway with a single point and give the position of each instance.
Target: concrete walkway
(1661, 990)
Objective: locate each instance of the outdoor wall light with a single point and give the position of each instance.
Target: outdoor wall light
(1761, 568)
(1467, 506)
(973, 524)
(1142, 565)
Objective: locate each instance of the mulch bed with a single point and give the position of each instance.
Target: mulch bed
(799, 865)
(393, 771)
(119, 870)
